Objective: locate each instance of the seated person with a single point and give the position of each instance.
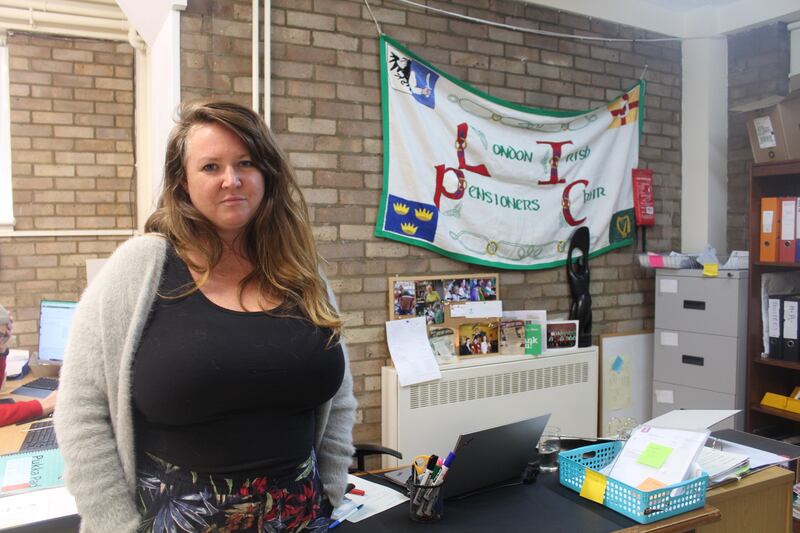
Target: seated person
(11, 413)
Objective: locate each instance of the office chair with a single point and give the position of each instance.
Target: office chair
(364, 449)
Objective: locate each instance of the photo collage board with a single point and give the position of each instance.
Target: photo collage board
(434, 297)
(431, 297)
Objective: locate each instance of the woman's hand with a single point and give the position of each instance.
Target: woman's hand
(49, 403)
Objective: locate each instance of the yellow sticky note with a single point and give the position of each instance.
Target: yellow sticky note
(654, 455)
(711, 270)
(594, 486)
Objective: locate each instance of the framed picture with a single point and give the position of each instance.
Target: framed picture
(562, 334)
(478, 338)
(428, 296)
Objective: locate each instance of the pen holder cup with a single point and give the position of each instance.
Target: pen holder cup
(425, 502)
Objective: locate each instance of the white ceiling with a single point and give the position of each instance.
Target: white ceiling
(684, 18)
(686, 5)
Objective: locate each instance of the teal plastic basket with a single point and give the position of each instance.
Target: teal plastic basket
(644, 507)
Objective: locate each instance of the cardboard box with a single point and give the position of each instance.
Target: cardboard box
(774, 131)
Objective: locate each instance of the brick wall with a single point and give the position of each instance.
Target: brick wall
(758, 65)
(72, 166)
(72, 133)
(326, 113)
(216, 50)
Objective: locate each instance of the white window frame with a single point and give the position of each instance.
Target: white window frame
(6, 188)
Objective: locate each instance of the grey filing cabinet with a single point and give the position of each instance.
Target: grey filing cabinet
(700, 342)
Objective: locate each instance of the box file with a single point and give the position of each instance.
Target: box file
(775, 321)
(787, 231)
(790, 342)
(770, 225)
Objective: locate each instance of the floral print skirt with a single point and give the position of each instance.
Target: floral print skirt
(174, 500)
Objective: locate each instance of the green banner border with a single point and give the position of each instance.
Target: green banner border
(381, 215)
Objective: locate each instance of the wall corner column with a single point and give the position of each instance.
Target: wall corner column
(704, 145)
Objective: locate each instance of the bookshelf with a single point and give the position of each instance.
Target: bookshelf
(768, 375)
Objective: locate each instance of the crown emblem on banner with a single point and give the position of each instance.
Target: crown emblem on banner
(423, 214)
(400, 209)
(408, 228)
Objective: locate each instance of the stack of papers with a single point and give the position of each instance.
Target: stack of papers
(720, 465)
(376, 499)
(655, 457)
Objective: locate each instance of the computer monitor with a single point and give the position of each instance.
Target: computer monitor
(55, 321)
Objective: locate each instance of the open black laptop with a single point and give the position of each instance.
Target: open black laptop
(487, 457)
(492, 455)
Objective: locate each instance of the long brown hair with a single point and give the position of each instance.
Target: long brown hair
(278, 240)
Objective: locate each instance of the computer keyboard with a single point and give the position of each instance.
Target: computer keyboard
(43, 383)
(41, 436)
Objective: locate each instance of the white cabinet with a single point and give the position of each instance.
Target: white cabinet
(700, 335)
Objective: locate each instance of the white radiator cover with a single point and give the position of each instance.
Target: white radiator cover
(482, 393)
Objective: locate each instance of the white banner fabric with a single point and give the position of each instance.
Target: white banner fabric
(486, 181)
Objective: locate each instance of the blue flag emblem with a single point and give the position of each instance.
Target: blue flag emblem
(411, 219)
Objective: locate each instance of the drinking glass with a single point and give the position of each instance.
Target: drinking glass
(549, 446)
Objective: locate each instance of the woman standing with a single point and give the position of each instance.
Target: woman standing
(206, 387)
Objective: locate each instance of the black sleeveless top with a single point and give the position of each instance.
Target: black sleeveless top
(216, 390)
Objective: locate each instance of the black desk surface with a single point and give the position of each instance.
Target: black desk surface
(542, 506)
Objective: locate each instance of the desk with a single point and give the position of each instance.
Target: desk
(11, 437)
(542, 506)
(760, 502)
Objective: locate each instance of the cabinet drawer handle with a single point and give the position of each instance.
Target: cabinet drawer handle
(694, 304)
(693, 360)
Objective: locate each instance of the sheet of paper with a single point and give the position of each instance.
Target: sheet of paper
(692, 418)
(668, 286)
(411, 352)
(528, 315)
(668, 455)
(490, 309)
(15, 361)
(617, 383)
(18, 474)
(27, 507)
(669, 338)
(764, 132)
(376, 498)
(758, 458)
(665, 396)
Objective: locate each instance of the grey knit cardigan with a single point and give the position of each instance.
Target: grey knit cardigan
(94, 418)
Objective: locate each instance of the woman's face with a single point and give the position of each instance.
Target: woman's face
(221, 179)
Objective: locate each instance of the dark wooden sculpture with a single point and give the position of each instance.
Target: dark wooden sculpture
(578, 277)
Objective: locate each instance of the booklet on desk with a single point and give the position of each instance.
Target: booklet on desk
(721, 465)
(25, 471)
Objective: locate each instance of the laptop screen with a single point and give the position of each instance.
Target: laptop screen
(55, 320)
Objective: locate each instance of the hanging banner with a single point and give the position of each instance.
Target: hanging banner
(486, 181)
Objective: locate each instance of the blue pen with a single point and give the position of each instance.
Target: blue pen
(347, 515)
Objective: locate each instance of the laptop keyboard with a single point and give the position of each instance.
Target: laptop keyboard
(43, 383)
(40, 436)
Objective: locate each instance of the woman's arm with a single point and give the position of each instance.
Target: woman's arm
(93, 470)
(335, 452)
(91, 394)
(14, 412)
